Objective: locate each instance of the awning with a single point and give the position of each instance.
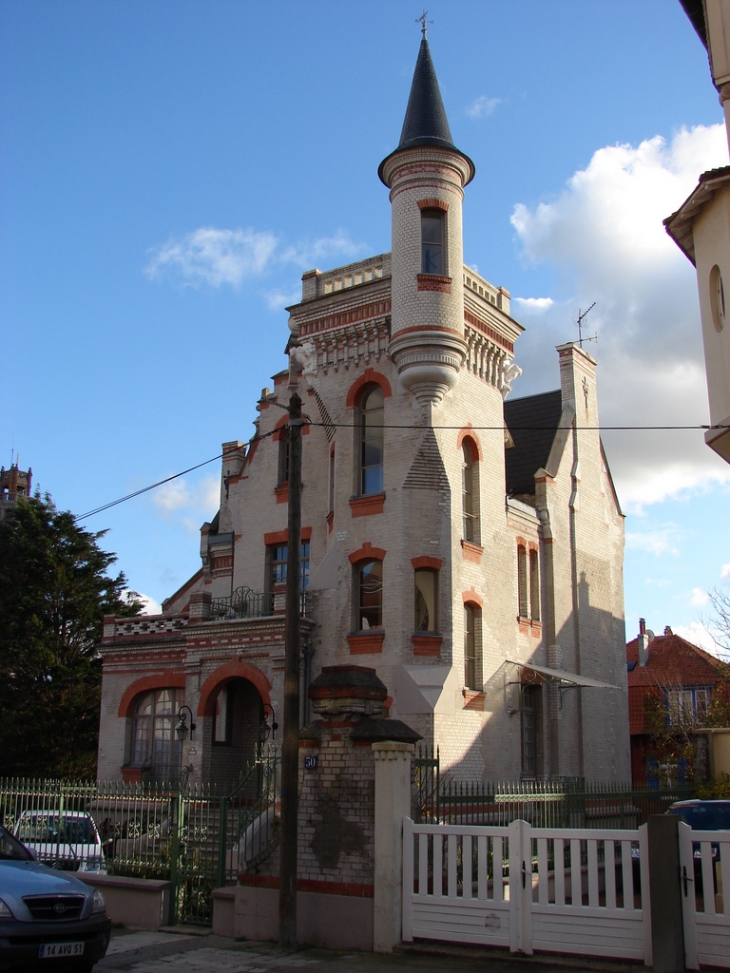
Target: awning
(560, 675)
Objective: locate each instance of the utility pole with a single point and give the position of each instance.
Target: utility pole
(290, 745)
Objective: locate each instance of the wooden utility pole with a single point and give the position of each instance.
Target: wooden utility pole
(290, 745)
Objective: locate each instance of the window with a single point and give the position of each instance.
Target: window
(278, 555)
(154, 742)
(371, 440)
(687, 706)
(473, 648)
(529, 712)
(222, 717)
(523, 608)
(534, 586)
(369, 595)
(331, 510)
(432, 242)
(425, 602)
(470, 492)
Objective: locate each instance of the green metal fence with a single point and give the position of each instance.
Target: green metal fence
(570, 802)
(192, 834)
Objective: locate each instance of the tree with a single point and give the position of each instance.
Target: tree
(54, 593)
(720, 602)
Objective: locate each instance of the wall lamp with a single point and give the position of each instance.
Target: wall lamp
(182, 727)
(264, 728)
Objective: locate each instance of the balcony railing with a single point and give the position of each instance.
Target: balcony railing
(246, 603)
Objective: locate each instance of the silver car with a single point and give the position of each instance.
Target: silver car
(47, 917)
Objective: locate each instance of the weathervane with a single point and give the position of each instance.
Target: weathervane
(581, 316)
(423, 21)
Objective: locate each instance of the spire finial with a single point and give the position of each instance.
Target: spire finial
(423, 21)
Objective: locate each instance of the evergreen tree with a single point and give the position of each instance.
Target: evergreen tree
(54, 593)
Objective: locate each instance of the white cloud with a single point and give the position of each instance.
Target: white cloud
(188, 505)
(149, 605)
(657, 542)
(214, 257)
(604, 234)
(218, 257)
(277, 300)
(699, 634)
(699, 598)
(534, 305)
(725, 571)
(658, 582)
(482, 107)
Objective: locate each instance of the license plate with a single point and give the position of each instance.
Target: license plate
(56, 950)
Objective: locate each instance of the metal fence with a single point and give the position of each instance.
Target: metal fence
(570, 802)
(191, 834)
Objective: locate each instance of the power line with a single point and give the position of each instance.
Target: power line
(345, 425)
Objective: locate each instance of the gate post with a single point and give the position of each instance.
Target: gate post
(392, 806)
(520, 888)
(665, 894)
(175, 809)
(689, 907)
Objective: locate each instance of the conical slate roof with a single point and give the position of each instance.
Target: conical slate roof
(425, 122)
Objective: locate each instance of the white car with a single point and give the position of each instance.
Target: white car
(67, 840)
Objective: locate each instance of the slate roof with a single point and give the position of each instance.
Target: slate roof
(674, 663)
(532, 422)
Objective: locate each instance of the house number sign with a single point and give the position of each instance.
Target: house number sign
(310, 763)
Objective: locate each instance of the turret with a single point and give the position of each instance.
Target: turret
(426, 176)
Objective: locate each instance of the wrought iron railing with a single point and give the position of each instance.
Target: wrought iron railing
(246, 603)
(569, 802)
(192, 834)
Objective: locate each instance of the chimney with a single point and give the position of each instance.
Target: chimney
(643, 641)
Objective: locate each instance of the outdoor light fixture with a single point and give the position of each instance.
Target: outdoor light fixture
(264, 728)
(182, 727)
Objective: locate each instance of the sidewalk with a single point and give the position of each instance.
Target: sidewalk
(198, 951)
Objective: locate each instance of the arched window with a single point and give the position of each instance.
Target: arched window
(473, 647)
(154, 742)
(470, 492)
(371, 440)
(369, 581)
(426, 600)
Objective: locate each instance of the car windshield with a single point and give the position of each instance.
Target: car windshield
(48, 828)
(704, 817)
(11, 848)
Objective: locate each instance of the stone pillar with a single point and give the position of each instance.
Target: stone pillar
(665, 894)
(200, 606)
(392, 804)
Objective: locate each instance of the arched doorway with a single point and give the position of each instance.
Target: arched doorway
(232, 706)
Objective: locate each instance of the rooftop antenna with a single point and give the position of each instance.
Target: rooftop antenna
(581, 317)
(423, 21)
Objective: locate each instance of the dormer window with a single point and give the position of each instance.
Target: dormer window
(432, 242)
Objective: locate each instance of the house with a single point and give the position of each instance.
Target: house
(701, 229)
(675, 690)
(466, 547)
(14, 483)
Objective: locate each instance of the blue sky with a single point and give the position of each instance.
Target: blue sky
(168, 171)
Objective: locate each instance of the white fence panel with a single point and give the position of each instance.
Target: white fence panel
(558, 890)
(704, 858)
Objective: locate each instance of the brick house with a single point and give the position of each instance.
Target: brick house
(672, 687)
(467, 548)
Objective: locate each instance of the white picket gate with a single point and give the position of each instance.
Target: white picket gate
(705, 910)
(567, 891)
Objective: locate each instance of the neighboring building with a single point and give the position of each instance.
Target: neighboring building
(14, 483)
(477, 568)
(701, 229)
(673, 687)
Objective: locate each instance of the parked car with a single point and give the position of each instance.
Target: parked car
(46, 914)
(69, 840)
(703, 816)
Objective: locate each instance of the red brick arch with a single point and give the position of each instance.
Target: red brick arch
(476, 448)
(224, 674)
(367, 553)
(368, 377)
(471, 597)
(169, 679)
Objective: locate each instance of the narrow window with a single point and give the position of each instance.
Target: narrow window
(472, 648)
(432, 242)
(425, 620)
(470, 492)
(284, 456)
(371, 441)
(534, 587)
(369, 595)
(522, 595)
(222, 718)
(529, 730)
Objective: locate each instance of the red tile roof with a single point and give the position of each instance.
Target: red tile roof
(674, 663)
